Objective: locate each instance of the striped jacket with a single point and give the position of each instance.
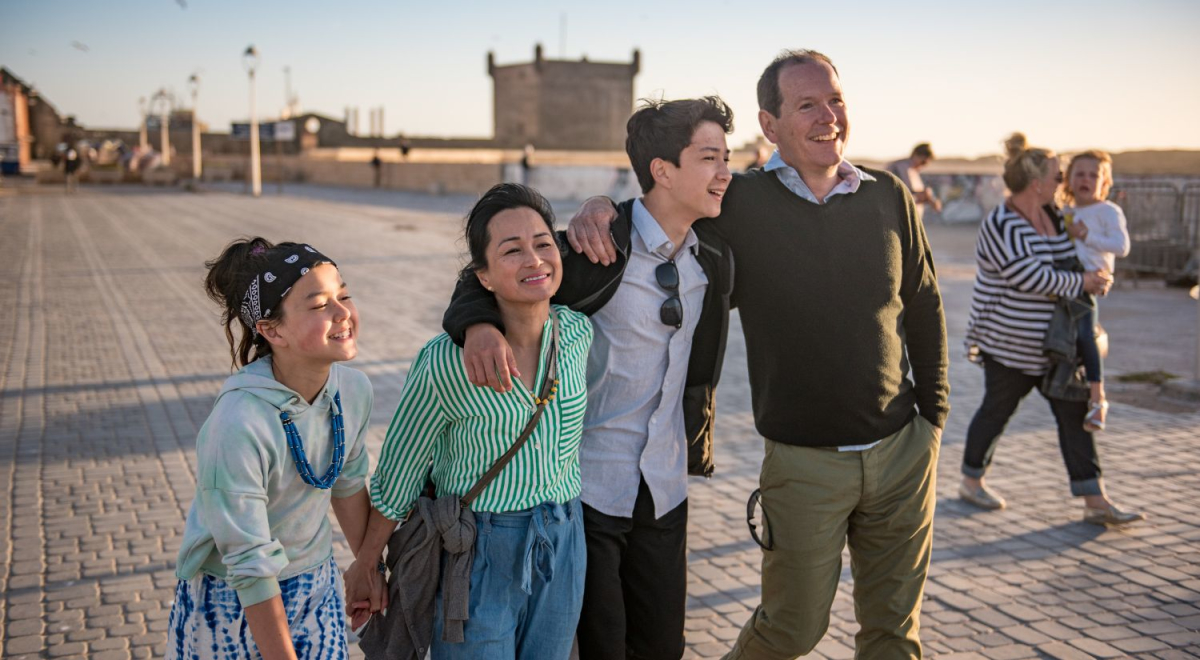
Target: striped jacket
(1016, 285)
(462, 429)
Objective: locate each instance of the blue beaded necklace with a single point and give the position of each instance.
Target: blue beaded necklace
(297, 448)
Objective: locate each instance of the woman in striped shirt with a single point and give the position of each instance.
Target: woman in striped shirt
(1015, 291)
(526, 583)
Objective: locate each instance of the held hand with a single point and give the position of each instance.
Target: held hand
(588, 231)
(937, 204)
(359, 614)
(363, 590)
(489, 359)
(1078, 230)
(1097, 282)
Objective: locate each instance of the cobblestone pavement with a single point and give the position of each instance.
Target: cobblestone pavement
(113, 355)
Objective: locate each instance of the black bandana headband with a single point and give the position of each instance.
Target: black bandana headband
(268, 288)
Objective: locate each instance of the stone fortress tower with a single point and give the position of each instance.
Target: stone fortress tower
(562, 104)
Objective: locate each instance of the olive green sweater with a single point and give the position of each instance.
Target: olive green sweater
(837, 302)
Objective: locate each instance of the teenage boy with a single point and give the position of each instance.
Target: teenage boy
(660, 313)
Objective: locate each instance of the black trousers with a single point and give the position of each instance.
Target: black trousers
(1004, 388)
(635, 595)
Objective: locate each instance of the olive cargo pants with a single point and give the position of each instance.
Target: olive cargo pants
(879, 500)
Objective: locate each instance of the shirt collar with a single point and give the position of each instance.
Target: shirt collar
(851, 178)
(651, 235)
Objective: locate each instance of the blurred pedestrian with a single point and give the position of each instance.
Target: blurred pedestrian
(908, 170)
(527, 164)
(762, 154)
(377, 165)
(1016, 287)
(72, 160)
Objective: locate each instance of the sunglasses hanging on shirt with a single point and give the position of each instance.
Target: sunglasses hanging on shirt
(671, 312)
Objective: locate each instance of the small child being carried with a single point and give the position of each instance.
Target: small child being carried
(1098, 227)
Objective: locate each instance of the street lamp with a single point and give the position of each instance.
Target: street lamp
(164, 103)
(250, 62)
(194, 84)
(143, 139)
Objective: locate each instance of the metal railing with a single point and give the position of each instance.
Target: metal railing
(1164, 227)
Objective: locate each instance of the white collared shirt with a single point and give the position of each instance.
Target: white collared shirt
(637, 368)
(851, 178)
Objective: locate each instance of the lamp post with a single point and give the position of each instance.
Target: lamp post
(194, 84)
(165, 117)
(250, 61)
(143, 139)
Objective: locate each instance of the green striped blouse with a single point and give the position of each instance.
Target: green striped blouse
(462, 429)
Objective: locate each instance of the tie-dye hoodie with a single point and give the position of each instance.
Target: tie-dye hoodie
(254, 521)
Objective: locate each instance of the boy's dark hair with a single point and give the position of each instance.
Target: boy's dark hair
(501, 197)
(770, 98)
(663, 129)
(923, 150)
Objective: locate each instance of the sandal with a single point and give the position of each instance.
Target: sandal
(1094, 420)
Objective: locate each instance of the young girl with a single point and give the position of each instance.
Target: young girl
(285, 439)
(1098, 227)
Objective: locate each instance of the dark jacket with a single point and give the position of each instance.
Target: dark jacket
(587, 288)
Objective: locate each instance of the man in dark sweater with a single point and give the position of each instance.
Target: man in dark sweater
(839, 301)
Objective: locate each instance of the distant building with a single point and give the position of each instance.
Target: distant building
(30, 127)
(561, 104)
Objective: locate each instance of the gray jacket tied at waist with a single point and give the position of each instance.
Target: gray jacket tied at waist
(404, 631)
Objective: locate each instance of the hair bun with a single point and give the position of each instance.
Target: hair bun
(1015, 144)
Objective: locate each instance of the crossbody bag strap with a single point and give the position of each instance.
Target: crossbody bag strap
(547, 386)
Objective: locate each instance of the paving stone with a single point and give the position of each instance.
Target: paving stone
(1061, 651)
(68, 649)
(1096, 648)
(106, 422)
(86, 635)
(27, 644)
(110, 644)
(1009, 652)
(24, 627)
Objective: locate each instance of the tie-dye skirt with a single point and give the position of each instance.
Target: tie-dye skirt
(207, 621)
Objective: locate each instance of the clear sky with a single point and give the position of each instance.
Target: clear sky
(962, 75)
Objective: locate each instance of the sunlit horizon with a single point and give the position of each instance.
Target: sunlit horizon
(1072, 76)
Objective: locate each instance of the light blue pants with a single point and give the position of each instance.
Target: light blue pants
(526, 586)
